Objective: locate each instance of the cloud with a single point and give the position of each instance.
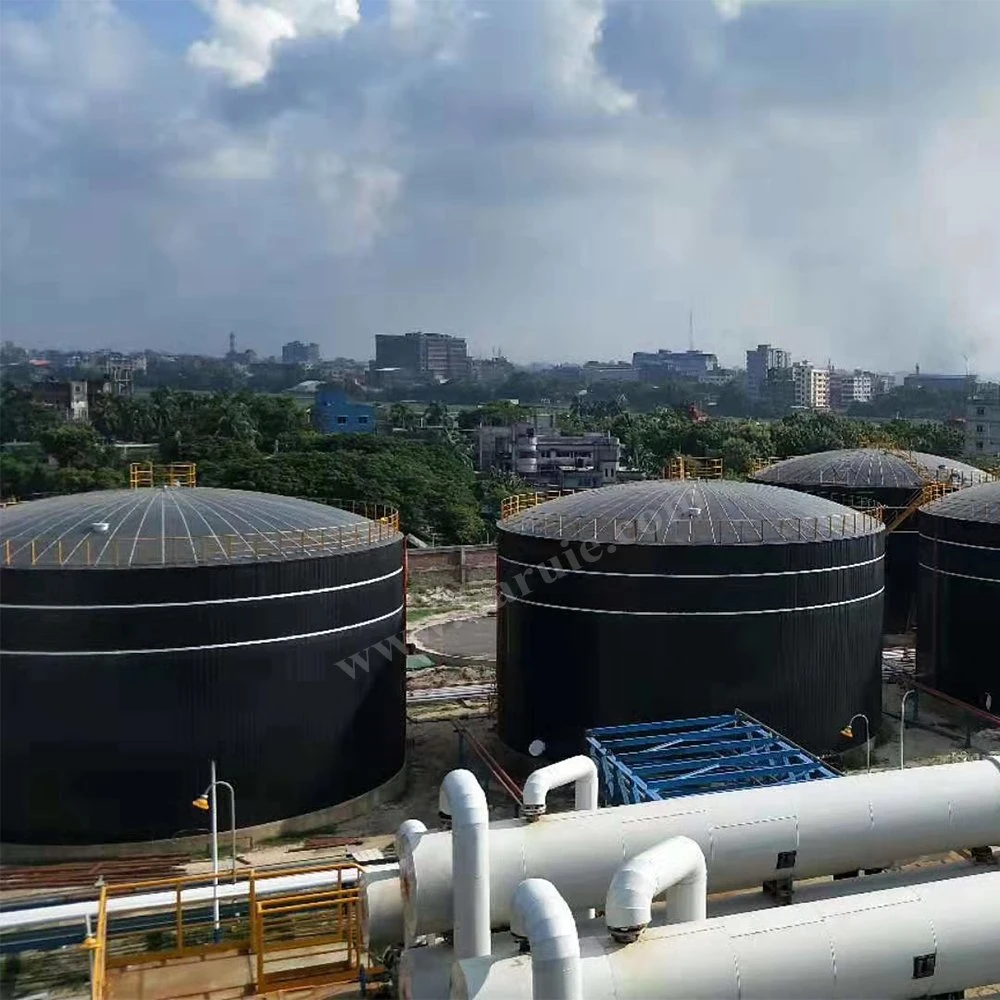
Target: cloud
(564, 178)
(245, 34)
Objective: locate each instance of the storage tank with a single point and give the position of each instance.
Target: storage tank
(672, 599)
(144, 632)
(960, 595)
(874, 476)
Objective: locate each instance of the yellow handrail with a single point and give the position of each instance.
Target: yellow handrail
(520, 502)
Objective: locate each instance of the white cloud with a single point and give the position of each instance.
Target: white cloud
(561, 177)
(246, 33)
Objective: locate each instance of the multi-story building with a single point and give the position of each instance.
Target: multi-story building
(71, 399)
(334, 413)
(652, 365)
(435, 355)
(540, 454)
(760, 363)
(940, 383)
(982, 422)
(609, 371)
(810, 387)
(849, 387)
(297, 353)
(490, 369)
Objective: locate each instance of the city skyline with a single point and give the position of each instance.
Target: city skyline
(564, 180)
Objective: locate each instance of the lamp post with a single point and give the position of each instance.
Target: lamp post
(208, 800)
(849, 733)
(902, 723)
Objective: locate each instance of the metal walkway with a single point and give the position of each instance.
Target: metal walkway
(660, 760)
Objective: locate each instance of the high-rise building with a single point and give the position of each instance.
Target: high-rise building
(437, 355)
(297, 353)
(849, 387)
(810, 387)
(762, 361)
(663, 362)
(982, 422)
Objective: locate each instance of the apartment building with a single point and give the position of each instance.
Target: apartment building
(760, 363)
(849, 387)
(982, 423)
(435, 355)
(810, 387)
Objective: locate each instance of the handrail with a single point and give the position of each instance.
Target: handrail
(185, 550)
(692, 467)
(97, 945)
(244, 935)
(520, 502)
(738, 531)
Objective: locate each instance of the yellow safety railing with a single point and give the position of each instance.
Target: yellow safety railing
(692, 467)
(172, 550)
(259, 924)
(146, 474)
(329, 920)
(760, 464)
(520, 502)
(97, 945)
(926, 494)
(652, 529)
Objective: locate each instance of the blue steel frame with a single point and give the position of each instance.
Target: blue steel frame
(661, 760)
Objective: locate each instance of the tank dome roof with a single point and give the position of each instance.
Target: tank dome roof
(691, 512)
(180, 526)
(872, 468)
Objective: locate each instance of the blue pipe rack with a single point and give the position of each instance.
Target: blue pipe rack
(650, 761)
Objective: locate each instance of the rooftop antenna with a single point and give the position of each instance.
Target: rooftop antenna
(232, 344)
(690, 329)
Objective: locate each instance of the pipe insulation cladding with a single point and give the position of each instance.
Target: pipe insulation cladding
(542, 918)
(933, 939)
(675, 867)
(748, 837)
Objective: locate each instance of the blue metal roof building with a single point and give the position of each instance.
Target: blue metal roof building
(660, 760)
(334, 413)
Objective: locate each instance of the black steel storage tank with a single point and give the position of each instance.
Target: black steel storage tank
(960, 595)
(673, 599)
(873, 476)
(144, 632)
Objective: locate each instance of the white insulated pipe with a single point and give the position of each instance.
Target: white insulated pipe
(540, 915)
(677, 867)
(937, 938)
(463, 798)
(580, 771)
(748, 837)
(424, 973)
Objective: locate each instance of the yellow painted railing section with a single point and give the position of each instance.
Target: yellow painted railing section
(383, 524)
(692, 467)
(520, 502)
(146, 474)
(326, 921)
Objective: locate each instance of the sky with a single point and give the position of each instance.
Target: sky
(556, 179)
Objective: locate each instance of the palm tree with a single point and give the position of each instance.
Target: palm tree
(437, 415)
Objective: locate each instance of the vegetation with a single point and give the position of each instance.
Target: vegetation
(254, 441)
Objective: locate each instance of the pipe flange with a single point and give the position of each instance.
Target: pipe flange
(532, 812)
(626, 935)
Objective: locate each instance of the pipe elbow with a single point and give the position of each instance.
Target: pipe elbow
(579, 770)
(544, 919)
(463, 800)
(676, 866)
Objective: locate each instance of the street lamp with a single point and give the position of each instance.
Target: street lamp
(902, 723)
(208, 801)
(849, 733)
